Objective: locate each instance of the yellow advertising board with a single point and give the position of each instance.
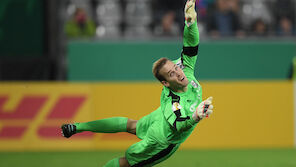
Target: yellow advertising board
(31, 115)
(255, 114)
(246, 114)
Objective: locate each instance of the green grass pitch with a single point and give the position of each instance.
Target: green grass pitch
(182, 158)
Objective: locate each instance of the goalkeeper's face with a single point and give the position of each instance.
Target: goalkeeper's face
(174, 76)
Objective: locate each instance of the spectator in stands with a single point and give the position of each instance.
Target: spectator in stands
(284, 13)
(285, 27)
(80, 25)
(223, 20)
(259, 28)
(168, 16)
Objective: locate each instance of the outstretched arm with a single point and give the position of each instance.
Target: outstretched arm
(190, 36)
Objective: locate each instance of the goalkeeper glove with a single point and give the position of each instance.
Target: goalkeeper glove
(204, 109)
(190, 14)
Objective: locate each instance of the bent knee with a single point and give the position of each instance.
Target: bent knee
(131, 126)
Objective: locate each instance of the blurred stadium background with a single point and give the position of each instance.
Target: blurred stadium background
(80, 60)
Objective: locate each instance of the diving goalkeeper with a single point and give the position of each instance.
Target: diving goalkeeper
(162, 131)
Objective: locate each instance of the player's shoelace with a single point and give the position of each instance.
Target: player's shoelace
(70, 128)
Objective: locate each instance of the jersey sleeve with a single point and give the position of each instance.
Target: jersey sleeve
(175, 115)
(190, 46)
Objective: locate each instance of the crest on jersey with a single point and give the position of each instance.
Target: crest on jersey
(194, 84)
(176, 106)
(180, 64)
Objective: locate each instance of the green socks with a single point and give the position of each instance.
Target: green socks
(109, 125)
(113, 163)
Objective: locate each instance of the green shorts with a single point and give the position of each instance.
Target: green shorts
(151, 149)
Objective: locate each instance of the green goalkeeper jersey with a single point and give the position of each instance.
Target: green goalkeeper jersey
(172, 122)
(178, 108)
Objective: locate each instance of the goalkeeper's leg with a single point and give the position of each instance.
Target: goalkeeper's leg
(149, 151)
(109, 125)
(117, 162)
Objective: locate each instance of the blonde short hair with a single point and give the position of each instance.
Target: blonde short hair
(157, 66)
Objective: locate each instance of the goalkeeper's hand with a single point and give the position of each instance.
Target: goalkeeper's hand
(204, 109)
(190, 14)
